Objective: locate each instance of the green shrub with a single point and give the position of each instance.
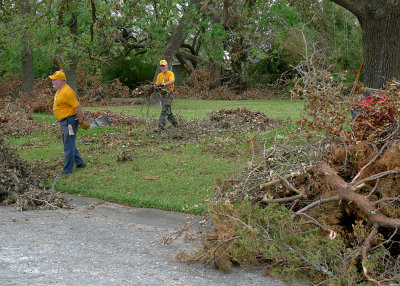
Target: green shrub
(288, 249)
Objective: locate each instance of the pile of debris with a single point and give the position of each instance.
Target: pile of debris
(106, 117)
(220, 122)
(340, 191)
(240, 119)
(21, 183)
(20, 123)
(93, 92)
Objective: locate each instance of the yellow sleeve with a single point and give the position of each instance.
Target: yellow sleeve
(70, 98)
(171, 76)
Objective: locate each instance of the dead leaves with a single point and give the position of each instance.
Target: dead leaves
(151, 178)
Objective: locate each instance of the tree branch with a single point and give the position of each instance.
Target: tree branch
(317, 203)
(366, 246)
(377, 155)
(346, 192)
(357, 7)
(376, 176)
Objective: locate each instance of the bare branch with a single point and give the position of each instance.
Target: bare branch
(345, 192)
(314, 221)
(366, 246)
(317, 203)
(376, 176)
(377, 155)
(282, 200)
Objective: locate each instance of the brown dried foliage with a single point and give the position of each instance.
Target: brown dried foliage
(115, 119)
(345, 182)
(91, 91)
(19, 123)
(200, 85)
(21, 183)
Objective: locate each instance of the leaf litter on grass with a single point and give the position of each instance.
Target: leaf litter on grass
(223, 121)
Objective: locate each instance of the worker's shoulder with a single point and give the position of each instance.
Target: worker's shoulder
(67, 90)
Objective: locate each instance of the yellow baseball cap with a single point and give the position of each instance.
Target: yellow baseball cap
(58, 75)
(163, 63)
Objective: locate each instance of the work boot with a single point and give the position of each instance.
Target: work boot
(81, 166)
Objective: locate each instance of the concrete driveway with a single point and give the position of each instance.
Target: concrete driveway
(100, 243)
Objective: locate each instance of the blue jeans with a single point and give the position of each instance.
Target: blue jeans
(71, 152)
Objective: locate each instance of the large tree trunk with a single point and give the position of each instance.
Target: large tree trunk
(381, 45)
(26, 52)
(380, 23)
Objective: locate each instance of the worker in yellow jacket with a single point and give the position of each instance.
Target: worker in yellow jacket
(166, 79)
(68, 112)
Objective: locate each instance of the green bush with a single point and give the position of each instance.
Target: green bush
(131, 71)
(269, 69)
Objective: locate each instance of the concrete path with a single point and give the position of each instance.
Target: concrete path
(101, 243)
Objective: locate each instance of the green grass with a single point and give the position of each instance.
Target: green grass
(176, 180)
(173, 175)
(199, 109)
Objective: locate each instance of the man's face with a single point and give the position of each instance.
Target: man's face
(57, 83)
(164, 68)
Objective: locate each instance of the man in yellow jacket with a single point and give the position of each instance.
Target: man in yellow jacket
(166, 79)
(68, 112)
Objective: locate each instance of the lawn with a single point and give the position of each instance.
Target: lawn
(139, 168)
(199, 109)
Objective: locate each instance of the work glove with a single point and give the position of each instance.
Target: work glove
(84, 125)
(161, 85)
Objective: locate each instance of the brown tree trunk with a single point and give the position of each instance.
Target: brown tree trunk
(381, 45)
(73, 62)
(173, 45)
(380, 23)
(26, 52)
(176, 40)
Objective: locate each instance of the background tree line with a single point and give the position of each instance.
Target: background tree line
(241, 42)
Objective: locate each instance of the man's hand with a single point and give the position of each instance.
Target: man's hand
(161, 85)
(84, 125)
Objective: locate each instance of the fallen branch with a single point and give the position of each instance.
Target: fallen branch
(366, 246)
(273, 182)
(317, 203)
(375, 177)
(377, 155)
(346, 193)
(282, 200)
(314, 221)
